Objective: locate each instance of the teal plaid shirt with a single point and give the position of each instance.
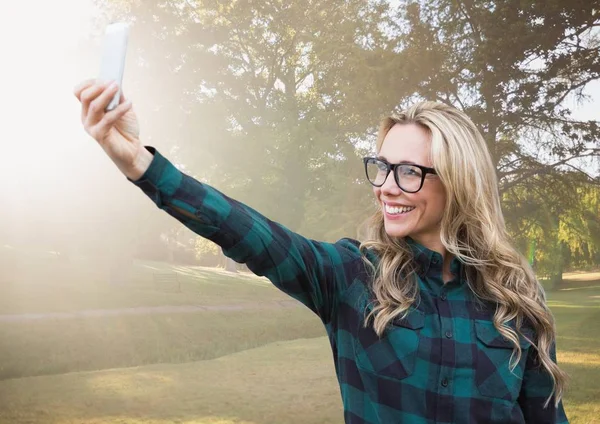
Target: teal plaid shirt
(444, 363)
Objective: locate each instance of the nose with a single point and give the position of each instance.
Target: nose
(390, 186)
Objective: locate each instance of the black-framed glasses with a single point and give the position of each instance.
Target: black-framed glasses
(409, 177)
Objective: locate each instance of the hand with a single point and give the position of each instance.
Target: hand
(116, 131)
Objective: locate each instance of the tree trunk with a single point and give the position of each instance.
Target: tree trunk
(556, 279)
(230, 265)
(227, 263)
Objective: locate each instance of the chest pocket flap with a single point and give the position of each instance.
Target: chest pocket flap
(414, 320)
(490, 336)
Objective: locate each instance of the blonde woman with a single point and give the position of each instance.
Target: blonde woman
(436, 318)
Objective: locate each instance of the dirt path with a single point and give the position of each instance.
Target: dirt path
(149, 310)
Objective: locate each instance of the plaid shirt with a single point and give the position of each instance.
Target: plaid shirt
(444, 363)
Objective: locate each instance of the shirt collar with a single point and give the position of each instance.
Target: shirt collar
(429, 261)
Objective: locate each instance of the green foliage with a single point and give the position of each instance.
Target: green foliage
(563, 225)
(274, 102)
(205, 247)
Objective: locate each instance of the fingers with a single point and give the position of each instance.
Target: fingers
(109, 119)
(89, 94)
(95, 95)
(78, 89)
(98, 106)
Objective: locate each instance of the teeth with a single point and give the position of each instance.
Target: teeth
(396, 210)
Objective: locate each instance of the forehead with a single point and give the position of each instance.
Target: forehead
(407, 143)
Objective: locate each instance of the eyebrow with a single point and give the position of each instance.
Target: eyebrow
(402, 161)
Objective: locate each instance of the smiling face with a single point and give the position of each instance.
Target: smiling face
(412, 143)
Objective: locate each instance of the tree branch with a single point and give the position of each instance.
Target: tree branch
(545, 169)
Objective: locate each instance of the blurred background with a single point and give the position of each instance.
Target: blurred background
(113, 312)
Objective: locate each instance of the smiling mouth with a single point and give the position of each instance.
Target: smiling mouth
(402, 210)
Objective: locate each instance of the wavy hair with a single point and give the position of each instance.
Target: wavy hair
(473, 230)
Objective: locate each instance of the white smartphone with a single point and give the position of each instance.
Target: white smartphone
(113, 57)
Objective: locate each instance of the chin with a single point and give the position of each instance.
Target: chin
(396, 230)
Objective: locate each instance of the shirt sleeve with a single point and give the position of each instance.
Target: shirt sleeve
(310, 271)
(535, 389)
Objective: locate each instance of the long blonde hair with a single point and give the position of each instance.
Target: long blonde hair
(473, 230)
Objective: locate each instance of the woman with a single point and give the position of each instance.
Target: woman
(436, 318)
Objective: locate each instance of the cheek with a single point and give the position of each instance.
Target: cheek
(435, 202)
(377, 193)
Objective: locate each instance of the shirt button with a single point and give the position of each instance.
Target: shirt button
(449, 334)
(443, 296)
(445, 382)
(435, 260)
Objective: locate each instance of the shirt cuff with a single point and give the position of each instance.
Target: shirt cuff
(160, 180)
(146, 174)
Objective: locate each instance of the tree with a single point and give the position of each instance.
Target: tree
(285, 95)
(566, 234)
(251, 71)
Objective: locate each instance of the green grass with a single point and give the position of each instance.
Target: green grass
(250, 387)
(205, 367)
(68, 345)
(38, 282)
(44, 284)
(46, 363)
(576, 309)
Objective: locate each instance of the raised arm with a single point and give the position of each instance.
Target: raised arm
(312, 272)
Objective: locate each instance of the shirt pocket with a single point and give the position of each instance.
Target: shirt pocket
(394, 354)
(493, 376)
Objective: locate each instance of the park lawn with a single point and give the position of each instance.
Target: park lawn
(223, 367)
(39, 282)
(576, 309)
(283, 382)
(259, 385)
(57, 346)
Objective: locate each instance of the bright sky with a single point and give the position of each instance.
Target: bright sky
(46, 155)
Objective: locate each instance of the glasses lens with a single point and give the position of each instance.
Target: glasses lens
(376, 171)
(409, 177)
